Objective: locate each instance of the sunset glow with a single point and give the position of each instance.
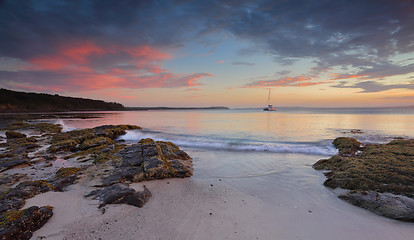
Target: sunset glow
(311, 53)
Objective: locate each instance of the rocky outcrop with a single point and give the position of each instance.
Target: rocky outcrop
(372, 172)
(14, 134)
(347, 146)
(385, 204)
(15, 198)
(16, 149)
(101, 159)
(149, 160)
(121, 193)
(20, 224)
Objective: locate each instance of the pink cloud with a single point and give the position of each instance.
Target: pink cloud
(337, 76)
(220, 61)
(88, 66)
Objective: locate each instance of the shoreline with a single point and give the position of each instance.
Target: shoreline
(292, 204)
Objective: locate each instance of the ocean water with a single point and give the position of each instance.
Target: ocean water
(269, 155)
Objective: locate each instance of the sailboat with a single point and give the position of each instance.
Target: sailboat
(269, 106)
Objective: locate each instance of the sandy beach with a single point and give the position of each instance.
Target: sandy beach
(231, 195)
(207, 209)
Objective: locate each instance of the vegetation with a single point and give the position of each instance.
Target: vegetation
(12, 101)
(346, 145)
(14, 134)
(11, 216)
(66, 172)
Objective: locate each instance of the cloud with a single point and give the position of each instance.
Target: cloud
(360, 35)
(88, 66)
(220, 61)
(372, 86)
(243, 63)
(283, 72)
(299, 81)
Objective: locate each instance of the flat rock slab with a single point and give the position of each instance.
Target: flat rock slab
(385, 204)
(148, 160)
(121, 193)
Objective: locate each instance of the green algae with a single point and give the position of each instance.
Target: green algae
(346, 145)
(95, 142)
(11, 216)
(39, 184)
(113, 131)
(63, 145)
(76, 135)
(66, 172)
(146, 141)
(14, 134)
(47, 127)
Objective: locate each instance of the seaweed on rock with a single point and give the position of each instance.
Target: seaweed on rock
(379, 168)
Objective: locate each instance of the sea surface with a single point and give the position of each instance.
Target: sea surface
(269, 155)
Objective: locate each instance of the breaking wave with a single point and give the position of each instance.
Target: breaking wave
(193, 141)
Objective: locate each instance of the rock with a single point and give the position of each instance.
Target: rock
(385, 204)
(7, 163)
(9, 180)
(385, 168)
(346, 145)
(16, 197)
(149, 160)
(20, 224)
(95, 142)
(121, 193)
(382, 168)
(14, 134)
(46, 127)
(63, 145)
(113, 131)
(64, 177)
(16, 152)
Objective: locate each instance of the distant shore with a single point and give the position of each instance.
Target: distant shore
(173, 108)
(24, 102)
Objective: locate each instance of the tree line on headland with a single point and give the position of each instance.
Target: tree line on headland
(12, 101)
(15, 102)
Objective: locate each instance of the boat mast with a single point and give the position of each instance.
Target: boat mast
(268, 98)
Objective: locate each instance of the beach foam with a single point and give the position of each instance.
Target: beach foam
(317, 148)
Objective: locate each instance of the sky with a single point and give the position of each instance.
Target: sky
(212, 53)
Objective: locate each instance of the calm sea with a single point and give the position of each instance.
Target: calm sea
(289, 130)
(270, 155)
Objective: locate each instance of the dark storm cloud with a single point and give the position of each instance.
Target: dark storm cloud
(33, 27)
(292, 29)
